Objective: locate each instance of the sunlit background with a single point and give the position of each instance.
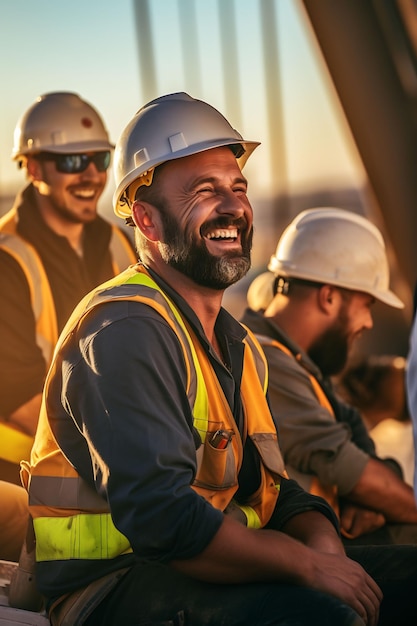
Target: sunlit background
(93, 48)
(257, 61)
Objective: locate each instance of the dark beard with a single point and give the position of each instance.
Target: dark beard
(194, 260)
(330, 351)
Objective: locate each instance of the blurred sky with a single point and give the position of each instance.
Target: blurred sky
(91, 47)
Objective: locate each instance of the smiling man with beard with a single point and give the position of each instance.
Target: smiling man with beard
(329, 268)
(54, 248)
(189, 252)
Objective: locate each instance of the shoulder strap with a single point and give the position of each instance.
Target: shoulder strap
(40, 292)
(318, 390)
(27, 258)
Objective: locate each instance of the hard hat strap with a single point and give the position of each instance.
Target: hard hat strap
(130, 193)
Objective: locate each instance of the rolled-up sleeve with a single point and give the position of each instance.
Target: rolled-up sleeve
(312, 441)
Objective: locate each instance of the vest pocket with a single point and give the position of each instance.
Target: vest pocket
(216, 467)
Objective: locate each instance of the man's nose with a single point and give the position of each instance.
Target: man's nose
(232, 204)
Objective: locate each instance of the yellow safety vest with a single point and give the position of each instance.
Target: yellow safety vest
(72, 521)
(328, 492)
(14, 444)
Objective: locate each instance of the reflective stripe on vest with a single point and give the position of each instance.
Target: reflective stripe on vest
(196, 389)
(51, 495)
(40, 292)
(76, 529)
(328, 492)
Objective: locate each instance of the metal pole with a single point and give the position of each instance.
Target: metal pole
(231, 82)
(145, 49)
(189, 44)
(277, 156)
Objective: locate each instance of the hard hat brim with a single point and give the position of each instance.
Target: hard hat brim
(261, 291)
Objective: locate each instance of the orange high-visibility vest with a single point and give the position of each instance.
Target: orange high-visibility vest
(14, 444)
(72, 521)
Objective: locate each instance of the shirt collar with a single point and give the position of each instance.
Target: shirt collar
(226, 324)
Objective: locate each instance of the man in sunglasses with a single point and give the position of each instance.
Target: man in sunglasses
(53, 249)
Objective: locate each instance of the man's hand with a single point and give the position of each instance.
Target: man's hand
(338, 575)
(356, 521)
(379, 488)
(347, 580)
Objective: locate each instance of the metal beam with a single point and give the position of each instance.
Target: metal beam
(378, 111)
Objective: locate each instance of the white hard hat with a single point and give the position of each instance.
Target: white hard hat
(336, 247)
(60, 122)
(170, 127)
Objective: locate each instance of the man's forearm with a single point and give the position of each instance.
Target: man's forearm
(380, 489)
(237, 554)
(315, 531)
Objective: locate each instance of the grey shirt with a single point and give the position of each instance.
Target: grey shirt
(334, 448)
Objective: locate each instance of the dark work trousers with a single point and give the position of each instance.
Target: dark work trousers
(156, 595)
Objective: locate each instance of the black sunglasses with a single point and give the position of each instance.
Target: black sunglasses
(77, 163)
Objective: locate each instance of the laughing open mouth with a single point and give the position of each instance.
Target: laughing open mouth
(223, 234)
(84, 192)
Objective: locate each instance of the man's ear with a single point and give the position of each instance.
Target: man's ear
(146, 218)
(34, 169)
(327, 298)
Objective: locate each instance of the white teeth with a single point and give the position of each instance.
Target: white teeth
(223, 234)
(86, 193)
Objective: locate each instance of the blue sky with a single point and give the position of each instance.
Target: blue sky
(49, 45)
(92, 48)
